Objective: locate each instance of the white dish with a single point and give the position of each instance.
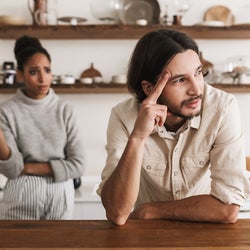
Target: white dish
(67, 80)
(86, 80)
(72, 20)
(97, 79)
(121, 79)
(214, 23)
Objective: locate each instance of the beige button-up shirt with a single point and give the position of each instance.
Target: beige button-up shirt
(206, 156)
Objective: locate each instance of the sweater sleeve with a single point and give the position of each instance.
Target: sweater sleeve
(72, 166)
(12, 167)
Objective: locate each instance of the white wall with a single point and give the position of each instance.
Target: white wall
(111, 57)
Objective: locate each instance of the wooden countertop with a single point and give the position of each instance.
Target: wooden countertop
(136, 234)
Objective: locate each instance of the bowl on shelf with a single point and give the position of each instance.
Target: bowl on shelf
(12, 20)
(134, 11)
(119, 79)
(91, 75)
(86, 80)
(67, 79)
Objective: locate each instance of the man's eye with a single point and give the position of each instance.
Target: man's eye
(199, 71)
(48, 71)
(33, 72)
(178, 80)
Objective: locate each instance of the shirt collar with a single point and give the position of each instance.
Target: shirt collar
(193, 123)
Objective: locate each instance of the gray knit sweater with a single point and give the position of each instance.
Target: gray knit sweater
(43, 130)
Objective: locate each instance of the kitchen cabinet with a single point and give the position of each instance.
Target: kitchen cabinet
(89, 210)
(67, 32)
(88, 204)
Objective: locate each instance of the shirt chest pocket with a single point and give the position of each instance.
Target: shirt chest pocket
(195, 166)
(154, 169)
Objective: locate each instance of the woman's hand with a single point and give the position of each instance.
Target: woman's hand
(4, 148)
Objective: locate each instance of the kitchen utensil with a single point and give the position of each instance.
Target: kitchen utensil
(219, 13)
(9, 72)
(43, 12)
(133, 10)
(91, 72)
(46, 18)
(180, 7)
(72, 20)
(38, 11)
(77, 182)
(177, 20)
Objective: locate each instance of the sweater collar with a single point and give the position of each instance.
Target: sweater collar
(27, 100)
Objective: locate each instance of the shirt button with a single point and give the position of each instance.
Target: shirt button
(177, 192)
(148, 167)
(175, 173)
(201, 162)
(176, 150)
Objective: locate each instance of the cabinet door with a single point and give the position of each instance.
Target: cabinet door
(89, 211)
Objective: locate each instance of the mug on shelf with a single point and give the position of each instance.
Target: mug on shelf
(43, 12)
(48, 17)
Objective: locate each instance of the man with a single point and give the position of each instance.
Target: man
(175, 150)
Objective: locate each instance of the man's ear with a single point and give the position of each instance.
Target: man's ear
(147, 87)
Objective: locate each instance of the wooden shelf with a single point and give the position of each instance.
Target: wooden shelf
(120, 31)
(113, 88)
(233, 88)
(76, 88)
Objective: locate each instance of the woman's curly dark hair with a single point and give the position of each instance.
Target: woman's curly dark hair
(25, 47)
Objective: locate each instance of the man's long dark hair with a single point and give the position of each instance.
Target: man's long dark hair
(152, 52)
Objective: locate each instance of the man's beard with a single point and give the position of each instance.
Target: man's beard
(176, 112)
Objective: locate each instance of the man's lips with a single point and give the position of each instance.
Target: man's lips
(192, 103)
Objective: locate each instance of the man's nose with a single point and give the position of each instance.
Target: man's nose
(194, 86)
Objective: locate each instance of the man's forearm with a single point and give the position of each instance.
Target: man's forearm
(196, 208)
(120, 191)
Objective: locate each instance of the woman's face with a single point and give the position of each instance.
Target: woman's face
(37, 76)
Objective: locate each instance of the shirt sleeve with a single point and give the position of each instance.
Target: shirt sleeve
(230, 181)
(117, 137)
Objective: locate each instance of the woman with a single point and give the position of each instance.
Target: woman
(40, 150)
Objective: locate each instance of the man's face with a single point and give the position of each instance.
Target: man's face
(184, 89)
